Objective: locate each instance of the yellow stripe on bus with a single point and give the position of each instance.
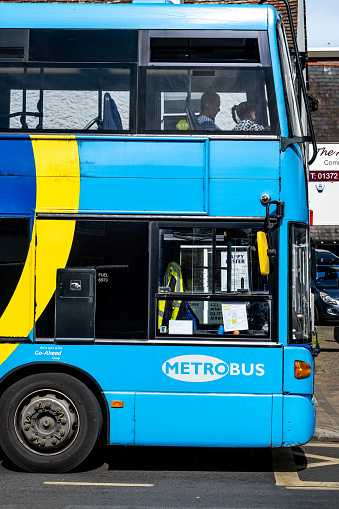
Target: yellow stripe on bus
(58, 173)
(58, 190)
(54, 244)
(6, 350)
(17, 319)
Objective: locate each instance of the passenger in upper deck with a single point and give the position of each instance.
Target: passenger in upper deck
(209, 108)
(243, 115)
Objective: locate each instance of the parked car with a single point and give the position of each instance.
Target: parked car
(325, 257)
(326, 294)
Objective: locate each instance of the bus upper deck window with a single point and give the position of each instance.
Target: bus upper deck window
(174, 99)
(177, 69)
(61, 78)
(204, 50)
(66, 97)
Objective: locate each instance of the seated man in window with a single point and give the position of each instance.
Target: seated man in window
(209, 108)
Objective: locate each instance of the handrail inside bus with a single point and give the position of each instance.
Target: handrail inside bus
(302, 82)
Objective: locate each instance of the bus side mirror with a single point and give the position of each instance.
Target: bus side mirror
(264, 261)
(313, 264)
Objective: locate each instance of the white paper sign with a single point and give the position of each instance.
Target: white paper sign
(323, 185)
(239, 278)
(180, 327)
(234, 316)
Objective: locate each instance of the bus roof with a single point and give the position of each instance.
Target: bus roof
(145, 16)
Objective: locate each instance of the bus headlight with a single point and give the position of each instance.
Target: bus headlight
(327, 298)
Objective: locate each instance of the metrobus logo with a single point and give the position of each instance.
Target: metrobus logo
(203, 368)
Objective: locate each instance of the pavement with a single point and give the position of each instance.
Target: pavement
(326, 390)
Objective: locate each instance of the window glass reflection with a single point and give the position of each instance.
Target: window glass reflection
(229, 99)
(211, 271)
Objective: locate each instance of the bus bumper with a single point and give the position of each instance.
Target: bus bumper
(298, 419)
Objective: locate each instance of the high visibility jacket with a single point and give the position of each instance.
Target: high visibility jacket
(173, 271)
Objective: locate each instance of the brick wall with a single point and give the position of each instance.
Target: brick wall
(324, 233)
(324, 85)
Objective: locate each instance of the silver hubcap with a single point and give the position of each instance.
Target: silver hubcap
(46, 422)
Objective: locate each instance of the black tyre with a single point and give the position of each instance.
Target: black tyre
(49, 422)
(316, 316)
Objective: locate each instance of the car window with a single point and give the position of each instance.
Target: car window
(327, 278)
(326, 255)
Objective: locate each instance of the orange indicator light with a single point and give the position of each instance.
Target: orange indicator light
(117, 404)
(236, 332)
(302, 369)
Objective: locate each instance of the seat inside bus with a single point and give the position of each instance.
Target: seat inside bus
(111, 116)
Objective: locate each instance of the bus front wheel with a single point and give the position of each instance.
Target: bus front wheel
(49, 422)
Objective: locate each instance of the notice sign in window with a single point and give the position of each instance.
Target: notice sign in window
(180, 327)
(239, 270)
(234, 316)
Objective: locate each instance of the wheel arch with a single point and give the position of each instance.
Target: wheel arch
(44, 367)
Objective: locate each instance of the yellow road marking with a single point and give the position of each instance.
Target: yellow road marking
(100, 484)
(286, 475)
(285, 471)
(313, 444)
(326, 460)
(323, 488)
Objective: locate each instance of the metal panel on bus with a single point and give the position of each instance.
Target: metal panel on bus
(184, 369)
(244, 196)
(292, 385)
(121, 418)
(168, 15)
(209, 420)
(214, 397)
(253, 159)
(143, 175)
(242, 182)
(181, 176)
(299, 419)
(18, 195)
(75, 304)
(277, 419)
(293, 185)
(203, 420)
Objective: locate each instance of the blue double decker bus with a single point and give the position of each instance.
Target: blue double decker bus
(154, 231)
